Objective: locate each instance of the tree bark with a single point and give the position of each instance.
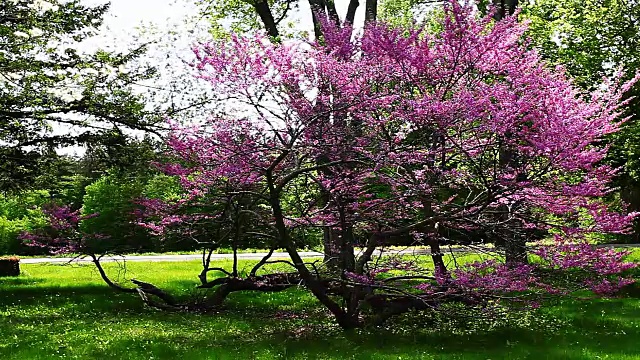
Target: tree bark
(266, 16)
(371, 11)
(504, 8)
(630, 194)
(331, 12)
(105, 278)
(515, 248)
(516, 251)
(437, 256)
(317, 9)
(331, 248)
(351, 12)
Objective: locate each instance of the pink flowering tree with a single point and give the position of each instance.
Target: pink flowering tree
(464, 135)
(402, 132)
(63, 234)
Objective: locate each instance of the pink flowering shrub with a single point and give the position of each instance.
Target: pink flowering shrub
(63, 234)
(600, 269)
(601, 274)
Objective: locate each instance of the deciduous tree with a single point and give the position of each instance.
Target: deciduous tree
(433, 112)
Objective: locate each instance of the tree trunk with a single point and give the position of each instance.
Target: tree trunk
(310, 280)
(332, 13)
(630, 194)
(351, 12)
(504, 8)
(331, 247)
(264, 11)
(515, 249)
(437, 256)
(347, 253)
(317, 9)
(371, 11)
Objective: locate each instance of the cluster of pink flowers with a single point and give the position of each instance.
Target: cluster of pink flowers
(601, 270)
(63, 234)
(566, 255)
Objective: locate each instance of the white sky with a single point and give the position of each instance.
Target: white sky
(176, 24)
(125, 15)
(158, 18)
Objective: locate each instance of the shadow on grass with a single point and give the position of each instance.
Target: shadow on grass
(92, 321)
(19, 281)
(95, 297)
(271, 339)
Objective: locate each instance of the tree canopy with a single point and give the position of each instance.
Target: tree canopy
(52, 94)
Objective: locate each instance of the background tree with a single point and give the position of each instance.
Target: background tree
(20, 213)
(275, 16)
(51, 94)
(107, 179)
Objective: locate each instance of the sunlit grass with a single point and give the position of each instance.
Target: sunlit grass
(54, 311)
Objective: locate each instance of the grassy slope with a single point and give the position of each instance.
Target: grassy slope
(55, 311)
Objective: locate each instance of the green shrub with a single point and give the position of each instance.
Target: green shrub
(20, 213)
(163, 187)
(112, 198)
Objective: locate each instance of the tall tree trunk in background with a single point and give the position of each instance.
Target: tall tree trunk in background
(516, 250)
(331, 247)
(317, 9)
(370, 11)
(351, 12)
(266, 16)
(332, 13)
(630, 194)
(515, 247)
(503, 8)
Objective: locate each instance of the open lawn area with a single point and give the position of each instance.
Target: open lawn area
(54, 311)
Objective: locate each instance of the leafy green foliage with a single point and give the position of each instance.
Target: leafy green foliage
(163, 187)
(121, 155)
(594, 40)
(407, 12)
(591, 39)
(48, 87)
(18, 214)
(239, 16)
(111, 197)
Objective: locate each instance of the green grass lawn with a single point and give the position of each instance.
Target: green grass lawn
(55, 311)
